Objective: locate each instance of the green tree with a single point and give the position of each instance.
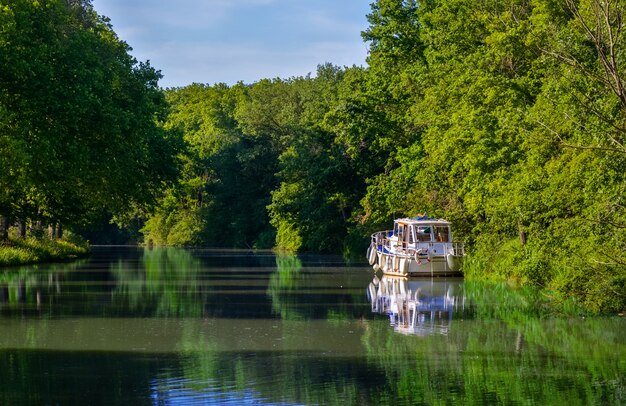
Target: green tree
(320, 181)
(225, 185)
(80, 117)
(512, 120)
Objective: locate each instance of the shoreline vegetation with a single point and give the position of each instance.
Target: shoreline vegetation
(33, 250)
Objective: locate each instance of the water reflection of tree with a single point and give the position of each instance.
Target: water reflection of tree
(283, 283)
(41, 378)
(164, 283)
(27, 287)
(507, 356)
(214, 356)
(216, 352)
(299, 293)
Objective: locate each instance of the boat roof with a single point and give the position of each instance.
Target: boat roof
(422, 220)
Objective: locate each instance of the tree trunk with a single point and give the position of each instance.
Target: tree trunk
(36, 228)
(58, 231)
(55, 231)
(4, 228)
(21, 229)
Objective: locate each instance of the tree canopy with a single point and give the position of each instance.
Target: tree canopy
(80, 119)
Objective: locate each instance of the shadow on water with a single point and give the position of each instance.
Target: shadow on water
(174, 326)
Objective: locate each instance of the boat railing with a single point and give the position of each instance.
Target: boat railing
(458, 249)
(380, 238)
(383, 243)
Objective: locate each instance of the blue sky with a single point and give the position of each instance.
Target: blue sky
(215, 41)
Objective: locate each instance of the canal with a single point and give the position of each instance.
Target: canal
(169, 326)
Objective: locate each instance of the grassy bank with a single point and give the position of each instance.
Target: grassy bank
(35, 250)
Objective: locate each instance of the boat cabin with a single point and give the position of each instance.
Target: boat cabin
(411, 231)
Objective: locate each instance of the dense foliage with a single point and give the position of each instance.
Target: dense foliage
(506, 117)
(79, 118)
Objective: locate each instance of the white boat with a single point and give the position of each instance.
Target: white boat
(416, 246)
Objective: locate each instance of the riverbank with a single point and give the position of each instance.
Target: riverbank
(567, 287)
(35, 250)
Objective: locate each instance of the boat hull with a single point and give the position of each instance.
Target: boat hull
(401, 265)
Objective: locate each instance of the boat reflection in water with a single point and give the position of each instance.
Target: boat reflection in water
(417, 306)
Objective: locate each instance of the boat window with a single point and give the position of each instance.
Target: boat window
(423, 233)
(403, 235)
(399, 231)
(442, 233)
(411, 235)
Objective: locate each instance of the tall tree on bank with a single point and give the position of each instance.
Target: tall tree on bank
(80, 118)
(253, 151)
(227, 176)
(521, 130)
(578, 130)
(320, 182)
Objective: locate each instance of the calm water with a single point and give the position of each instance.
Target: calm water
(183, 327)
